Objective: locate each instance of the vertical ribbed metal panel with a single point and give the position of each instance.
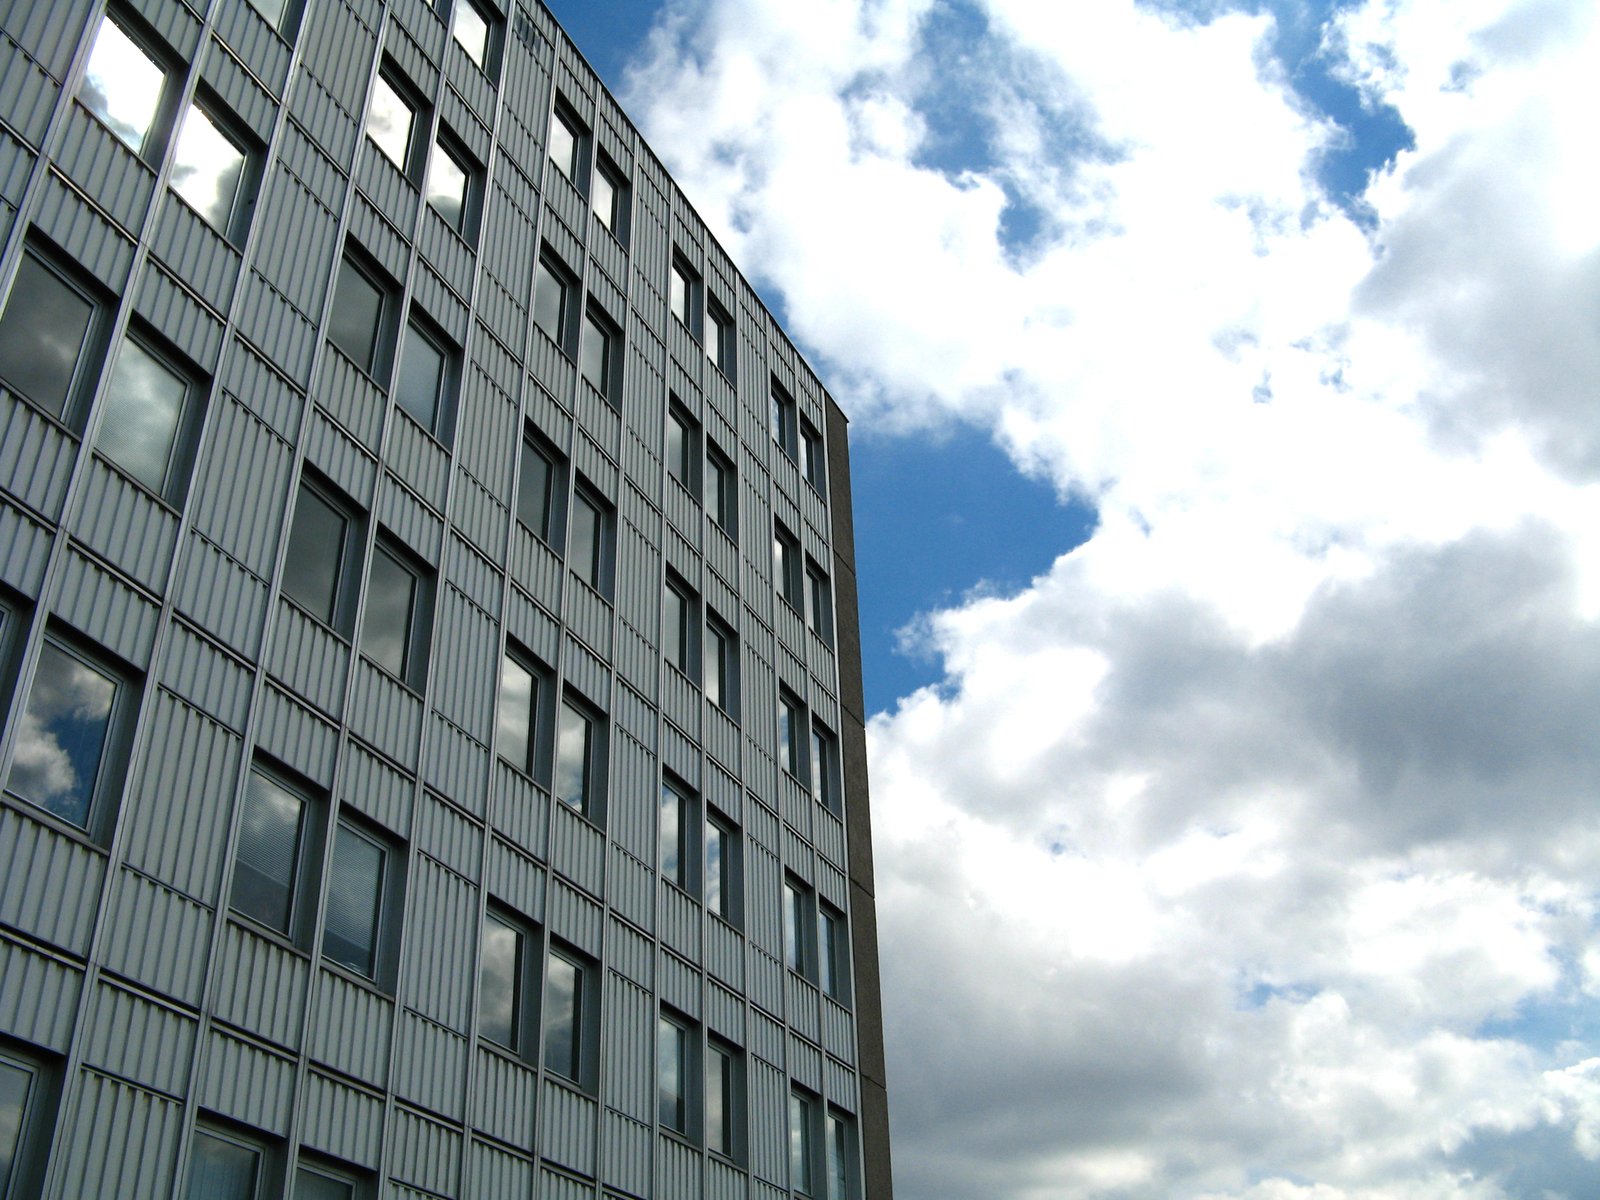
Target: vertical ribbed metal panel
(96, 602)
(401, 510)
(635, 714)
(261, 986)
(679, 927)
(724, 952)
(350, 1027)
(49, 883)
(767, 1037)
(677, 751)
(625, 1158)
(630, 1033)
(418, 459)
(173, 312)
(27, 92)
(724, 1181)
(101, 164)
(769, 1120)
(475, 575)
(677, 1171)
(430, 1065)
(120, 1141)
(766, 980)
(385, 712)
(725, 1013)
(157, 936)
(242, 486)
(36, 456)
(196, 669)
(577, 849)
(589, 616)
(805, 1063)
(177, 824)
(457, 765)
(425, 1153)
(631, 953)
(309, 659)
(282, 333)
(637, 658)
(469, 641)
(632, 815)
(567, 1128)
(38, 996)
(506, 1095)
(247, 1082)
(373, 787)
(341, 1120)
(441, 945)
(494, 1172)
(515, 879)
(79, 229)
(678, 983)
(449, 836)
(294, 734)
(588, 674)
(126, 526)
(841, 1085)
(349, 393)
(24, 547)
(320, 115)
(250, 380)
(519, 810)
(838, 1030)
(46, 32)
(221, 595)
(293, 215)
(575, 917)
(632, 888)
(478, 515)
(763, 896)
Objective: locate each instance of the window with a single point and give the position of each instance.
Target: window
(50, 336)
(553, 309)
(540, 487)
(72, 737)
(724, 1099)
(275, 12)
(224, 1165)
(679, 831)
(396, 627)
(211, 171)
(580, 759)
(363, 902)
(824, 768)
(392, 120)
(683, 448)
(609, 197)
(146, 420)
(426, 380)
(123, 86)
(589, 548)
(360, 323)
(25, 1099)
(470, 28)
(819, 602)
(784, 429)
(833, 952)
(813, 459)
(786, 566)
(680, 626)
(722, 491)
(319, 1180)
(799, 920)
(722, 870)
(673, 1052)
(841, 1143)
(569, 143)
(277, 839)
(504, 976)
(683, 291)
(720, 668)
(802, 1142)
(317, 567)
(568, 1025)
(453, 186)
(518, 736)
(790, 753)
(602, 354)
(719, 338)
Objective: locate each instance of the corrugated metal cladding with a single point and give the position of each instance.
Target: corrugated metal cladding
(433, 745)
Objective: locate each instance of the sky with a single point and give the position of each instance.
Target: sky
(1223, 382)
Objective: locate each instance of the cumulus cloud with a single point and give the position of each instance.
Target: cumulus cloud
(1250, 849)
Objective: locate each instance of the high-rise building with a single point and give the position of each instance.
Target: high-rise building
(432, 754)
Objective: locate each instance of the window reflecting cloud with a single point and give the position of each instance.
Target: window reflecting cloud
(61, 736)
(389, 122)
(122, 85)
(208, 168)
(143, 403)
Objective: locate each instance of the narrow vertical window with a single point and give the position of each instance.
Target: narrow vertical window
(841, 1152)
(801, 1149)
(824, 768)
(471, 32)
(452, 187)
(423, 382)
(719, 671)
(563, 1016)
(790, 755)
(552, 293)
(209, 169)
(357, 879)
(568, 143)
(721, 1099)
(142, 419)
(678, 820)
(589, 546)
(819, 602)
(315, 568)
(391, 122)
(722, 870)
(601, 360)
(516, 737)
(719, 338)
(797, 925)
(268, 862)
(722, 492)
(359, 315)
(394, 632)
(813, 460)
(672, 1075)
(500, 983)
(223, 1167)
(575, 758)
(833, 953)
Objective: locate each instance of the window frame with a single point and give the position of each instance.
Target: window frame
(839, 1138)
(180, 453)
(288, 22)
(818, 601)
(591, 799)
(720, 344)
(418, 636)
(446, 142)
(722, 490)
(726, 900)
(34, 1117)
(549, 266)
(552, 526)
(414, 161)
(599, 327)
(617, 223)
(388, 904)
(719, 664)
(792, 748)
(241, 212)
(304, 886)
(787, 568)
(321, 1166)
(681, 646)
(584, 1017)
(266, 1154)
(539, 731)
(684, 466)
(342, 618)
(688, 1066)
(157, 135)
(598, 574)
(89, 361)
(833, 953)
(813, 458)
(734, 1103)
(442, 426)
(526, 985)
(679, 805)
(803, 1138)
(785, 423)
(576, 170)
(686, 296)
(380, 358)
(823, 761)
(800, 927)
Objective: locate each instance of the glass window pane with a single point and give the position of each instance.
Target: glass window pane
(269, 853)
(533, 490)
(672, 627)
(596, 353)
(355, 894)
(678, 294)
(792, 920)
(122, 85)
(222, 1170)
(357, 316)
(711, 665)
(514, 739)
(828, 955)
(421, 378)
(316, 552)
(564, 146)
(447, 188)
(671, 1048)
(471, 32)
(15, 1084)
(143, 403)
(719, 1101)
(42, 335)
(786, 755)
(563, 997)
(314, 1185)
(677, 449)
(573, 751)
(838, 1160)
(499, 978)
(62, 736)
(585, 550)
(549, 304)
(389, 122)
(672, 821)
(716, 869)
(800, 1143)
(272, 10)
(391, 603)
(604, 200)
(208, 168)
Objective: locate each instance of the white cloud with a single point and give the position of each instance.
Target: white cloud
(1249, 851)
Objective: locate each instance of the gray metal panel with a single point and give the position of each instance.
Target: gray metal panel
(441, 942)
(385, 712)
(625, 1158)
(38, 996)
(343, 1121)
(448, 835)
(577, 850)
(769, 1121)
(272, 324)
(504, 1105)
(493, 1171)
(222, 595)
(261, 985)
(36, 456)
(350, 1028)
(79, 229)
(292, 214)
(253, 382)
(118, 1140)
(94, 601)
(292, 733)
(157, 936)
(373, 787)
(515, 879)
(125, 525)
(310, 659)
(418, 459)
(678, 983)
(24, 549)
(574, 917)
(456, 764)
(256, 43)
(630, 1048)
(49, 883)
(430, 1066)
(355, 401)
(247, 1082)
(568, 1129)
(630, 952)
(469, 641)
(173, 312)
(425, 1152)
(101, 164)
(632, 888)
(27, 92)
(520, 810)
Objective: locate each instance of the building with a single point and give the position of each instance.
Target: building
(432, 753)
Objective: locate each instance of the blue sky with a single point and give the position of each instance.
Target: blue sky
(1233, 818)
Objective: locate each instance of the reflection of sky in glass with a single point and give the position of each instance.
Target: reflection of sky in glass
(715, 866)
(828, 958)
(497, 988)
(572, 758)
(791, 927)
(671, 834)
(13, 1099)
(549, 298)
(669, 1074)
(836, 1157)
(42, 335)
(386, 633)
(207, 168)
(604, 200)
(516, 712)
(563, 146)
(470, 30)
(718, 1101)
(357, 313)
(421, 373)
(389, 122)
(122, 85)
(561, 1001)
(799, 1144)
(533, 493)
(269, 841)
(143, 402)
(272, 10)
(355, 888)
(310, 1185)
(219, 1168)
(447, 187)
(595, 345)
(316, 550)
(62, 735)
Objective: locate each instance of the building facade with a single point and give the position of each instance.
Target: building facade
(433, 754)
